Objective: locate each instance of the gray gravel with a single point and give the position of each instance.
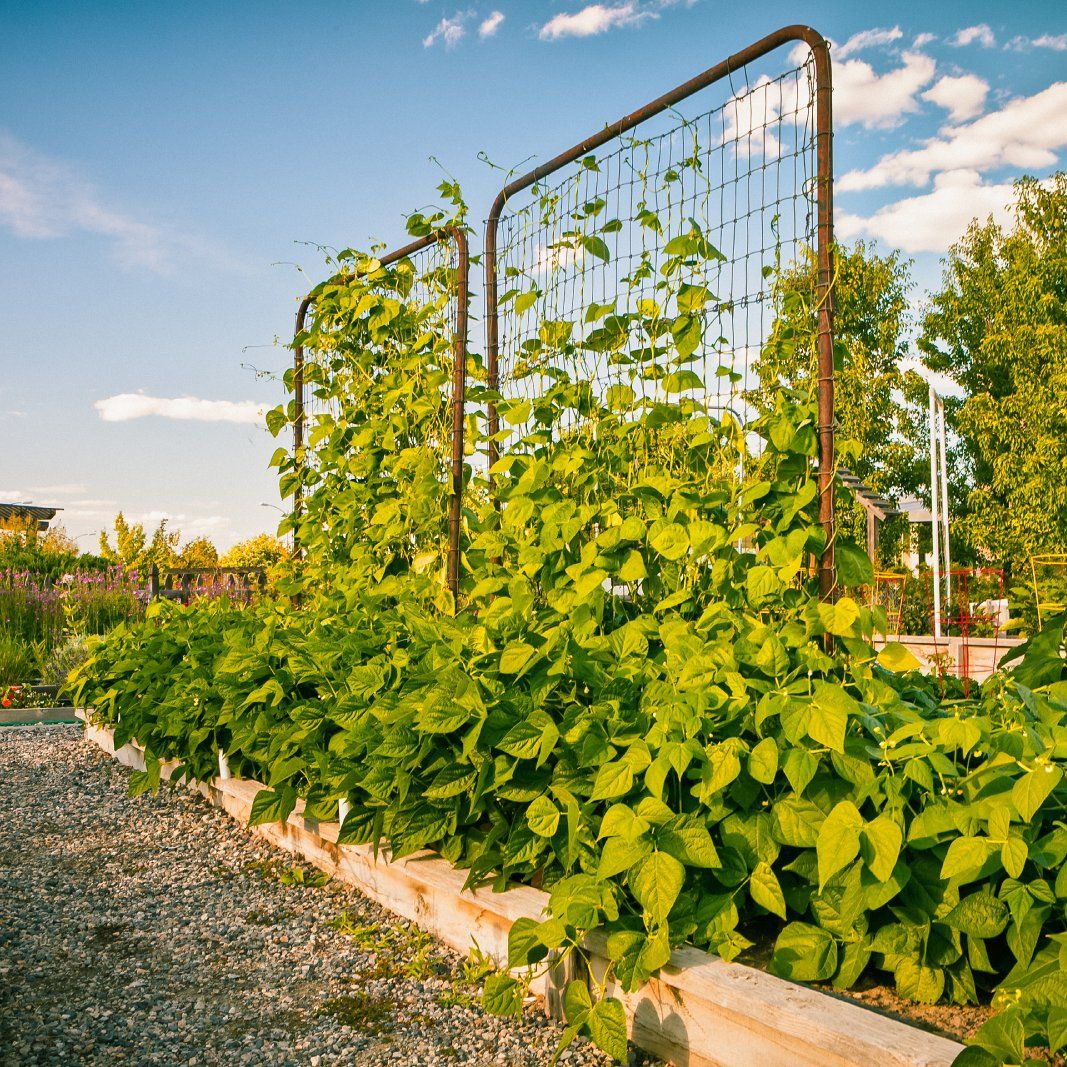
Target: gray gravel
(156, 930)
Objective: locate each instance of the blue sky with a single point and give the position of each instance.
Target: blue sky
(166, 170)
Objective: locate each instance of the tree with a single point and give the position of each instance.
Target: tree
(263, 550)
(135, 552)
(998, 329)
(876, 403)
(199, 553)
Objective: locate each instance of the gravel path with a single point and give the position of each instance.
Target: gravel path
(156, 930)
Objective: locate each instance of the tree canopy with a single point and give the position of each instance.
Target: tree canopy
(998, 328)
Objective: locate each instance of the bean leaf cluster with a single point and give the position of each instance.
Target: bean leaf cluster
(638, 701)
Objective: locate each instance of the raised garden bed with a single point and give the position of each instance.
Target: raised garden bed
(37, 716)
(699, 1012)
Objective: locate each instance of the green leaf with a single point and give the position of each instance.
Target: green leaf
(840, 617)
(595, 246)
(607, 1027)
(502, 995)
(1033, 789)
(671, 541)
(613, 780)
(690, 843)
(828, 718)
(515, 657)
(898, 657)
(542, 816)
(270, 805)
(577, 1002)
(839, 840)
(692, 298)
(979, 914)
(764, 889)
(524, 943)
(656, 884)
(797, 822)
(620, 854)
(1014, 854)
(525, 301)
(1004, 1035)
(919, 983)
(804, 953)
(763, 761)
(853, 564)
(882, 839)
(965, 858)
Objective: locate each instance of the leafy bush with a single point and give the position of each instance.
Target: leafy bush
(639, 703)
(18, 659)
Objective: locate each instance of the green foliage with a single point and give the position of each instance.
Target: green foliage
(135, 552)
(263, 550)
(636, 702)
(877, 405)
(998, 329)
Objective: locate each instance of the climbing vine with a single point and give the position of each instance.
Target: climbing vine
(638, 701)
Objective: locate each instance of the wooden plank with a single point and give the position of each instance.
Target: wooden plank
(699, 1012)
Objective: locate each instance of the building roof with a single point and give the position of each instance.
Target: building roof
(870, 498)
(22, 512)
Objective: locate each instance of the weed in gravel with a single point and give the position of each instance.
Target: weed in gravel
(465, 992)
(399, 952)
(361, 1010)
(109, 933)
(263, 918)
(275, 870)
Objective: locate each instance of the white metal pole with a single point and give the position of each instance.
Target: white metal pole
(945, 546)
(935, 523)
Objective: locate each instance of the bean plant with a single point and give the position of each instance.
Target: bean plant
(638, 702)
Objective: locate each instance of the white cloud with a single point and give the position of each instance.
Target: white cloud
(980, 34)
(594, 19)
(126, 406)
(190, 525)
(490, 25)
(963, 97)
(42, 198)
(1024, 134)
(932, 221)
(868, 39)
(12, 496)
(67, 489)
(1057, 42)
(923, 40)
(449, 30)
(559, 256)
(753, 117)
(879, 101)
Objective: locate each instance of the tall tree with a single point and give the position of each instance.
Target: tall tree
(998, 329)
(872, 399)
(875, 399)
(135, 551)
(198, 553)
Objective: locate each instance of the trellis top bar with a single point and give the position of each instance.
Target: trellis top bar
(806, 34)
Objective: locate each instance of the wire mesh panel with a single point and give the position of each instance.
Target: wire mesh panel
(657, 261)
(425, 285)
